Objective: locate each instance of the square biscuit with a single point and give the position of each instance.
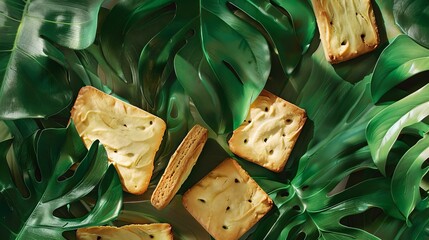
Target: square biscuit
(153, 231)
(347, 28)
(179, 167)
(227, 202)
(131, 136)
(269, 132)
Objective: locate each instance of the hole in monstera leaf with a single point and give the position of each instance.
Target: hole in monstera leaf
(296, 208)
(231, 68)
(339, 187)
(415, 82)
(283, 11)
(301, 236)
(363, 219)
(405, 88)
(173, 111)
(361, 175)
(72, 210)
(69, 234)
(425, 164)
(68, 174)
(284, 193)
(305, 187)
(425, 182)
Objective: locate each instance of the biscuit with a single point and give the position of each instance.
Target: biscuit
(179, 167)
(269, 132)
(347, 28)
(227, 202)
(131, 136)
(153, 231)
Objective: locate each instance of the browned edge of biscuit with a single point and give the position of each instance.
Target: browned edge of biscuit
(179, 166)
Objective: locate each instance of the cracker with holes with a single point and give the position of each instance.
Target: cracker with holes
(269, 133)
(179, 167)
(153, 231)
(130, 135)
(347, 28)
(227, 202)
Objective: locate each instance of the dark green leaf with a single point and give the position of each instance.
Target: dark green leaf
(31, 72)
(412, 16)
(193, 41)
(44, 160)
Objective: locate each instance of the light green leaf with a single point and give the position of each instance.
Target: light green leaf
(385, 127)
(402, 59)
(408, 175)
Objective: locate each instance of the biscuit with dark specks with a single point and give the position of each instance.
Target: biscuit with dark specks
(227, 202)
(269, 132)
(131, 136)
(347, 28)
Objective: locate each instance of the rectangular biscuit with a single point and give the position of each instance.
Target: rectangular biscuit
(179, 167)
(131, 136)
(153, 231)
(347, 28)
(227, 202)
(269, 133)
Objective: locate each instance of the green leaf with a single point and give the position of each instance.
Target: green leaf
(31, 71)
(192, 41)
(412, 16)
(385, 127)
(326, 188)
(407, 176)
(402, 59)
(45, 158)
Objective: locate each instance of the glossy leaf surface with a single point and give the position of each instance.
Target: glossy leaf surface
(31, 72)
(44, 159)
(193, 41)
(412, 16)
(358, 170)
(401, 60)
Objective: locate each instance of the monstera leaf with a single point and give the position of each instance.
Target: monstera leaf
(316, 200)
(401, 60)
(412, 16)
(31, 71)
(358, 171)
(401, 119)
(44, 159)
(194, 40)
